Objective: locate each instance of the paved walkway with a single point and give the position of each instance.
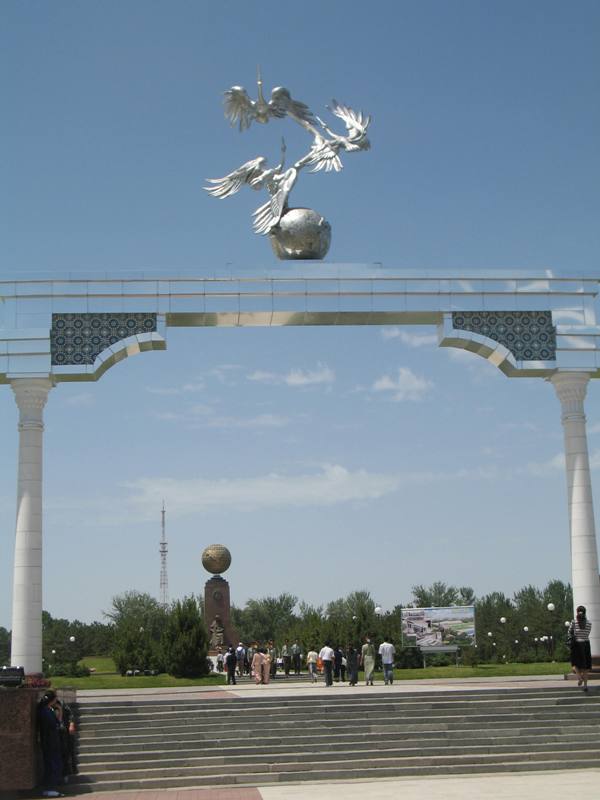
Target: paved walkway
(521, 786)
(281, 687)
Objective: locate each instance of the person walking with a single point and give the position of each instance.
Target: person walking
(581, 654)
(352, 665)
(240, 654)
(327, 656)
(266, 665)
(338, 659)
(258, 660)
(296, 657)
(272, 650)
(230, 665)
(387, 651)
(367, 659)
(311, 662)
(286, 655)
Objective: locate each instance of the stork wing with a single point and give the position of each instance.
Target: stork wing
(324, 155)
(269, 214)
(353, 119)
(281, 103)
(232, 183)
(239, 107)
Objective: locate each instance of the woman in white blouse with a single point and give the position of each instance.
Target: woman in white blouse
(581, 654)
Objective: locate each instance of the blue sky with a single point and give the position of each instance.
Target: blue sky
(285, 444)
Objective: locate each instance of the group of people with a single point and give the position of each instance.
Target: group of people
(56, 726)
(336, 663)
(241, 660)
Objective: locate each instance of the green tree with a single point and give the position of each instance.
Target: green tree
(185, 640)
(441, 595)
(266, 618)
(4, 647)
(139, 621)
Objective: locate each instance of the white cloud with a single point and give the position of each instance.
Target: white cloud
(411, 339)
(555, 464)
(170, 391)
(260, 421)
(299, 377)
(331, 485)
(260, 376)
(223, 373)
(539, 469)
(480, 367)
(82, 400)
(296, 377)
(328, 485)
(407, 386)
(595, 428)
(204, 416)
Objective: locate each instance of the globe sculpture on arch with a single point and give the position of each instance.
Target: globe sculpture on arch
(295, 233)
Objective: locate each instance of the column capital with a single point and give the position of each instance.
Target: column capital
(31, 395)
(571, 388)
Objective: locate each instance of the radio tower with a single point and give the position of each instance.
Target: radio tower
(164, 581)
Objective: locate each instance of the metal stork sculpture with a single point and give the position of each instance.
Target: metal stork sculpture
(294, 232)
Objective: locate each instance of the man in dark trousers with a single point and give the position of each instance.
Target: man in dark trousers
(327, 655)
(50, 741)
(230, 664)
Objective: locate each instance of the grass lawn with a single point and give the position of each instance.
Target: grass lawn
(105, 676)
(116, 681)
(100, 664)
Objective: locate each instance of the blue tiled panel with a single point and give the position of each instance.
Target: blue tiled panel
(529, 335)
(80, 338)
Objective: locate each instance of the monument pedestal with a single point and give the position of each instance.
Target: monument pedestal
(217, 613)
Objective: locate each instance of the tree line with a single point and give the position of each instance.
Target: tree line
(141, 634)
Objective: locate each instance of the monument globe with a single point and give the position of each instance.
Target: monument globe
(216, 559)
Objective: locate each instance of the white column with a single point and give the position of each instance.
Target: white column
(26, 650)
(571, 388)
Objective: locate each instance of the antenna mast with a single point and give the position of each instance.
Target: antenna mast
(164, 581)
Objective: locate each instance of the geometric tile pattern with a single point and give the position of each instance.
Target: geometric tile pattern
(80, 338)
(529, 335)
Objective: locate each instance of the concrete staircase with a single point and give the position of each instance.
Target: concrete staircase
(255, 741)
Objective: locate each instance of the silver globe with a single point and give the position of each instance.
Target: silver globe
(301, 234)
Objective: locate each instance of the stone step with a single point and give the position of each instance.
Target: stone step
(106, 717)
(339, 753)
(333, 722)
(381, 728)
(336, 770)
(182, 748)
(358, 696)
(332, 719)
(251, 741)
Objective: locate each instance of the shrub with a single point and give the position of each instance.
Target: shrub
(185, 641)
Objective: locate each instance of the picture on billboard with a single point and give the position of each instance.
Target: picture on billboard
(438, 627)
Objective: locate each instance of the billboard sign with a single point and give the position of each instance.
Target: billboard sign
(453, 626)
